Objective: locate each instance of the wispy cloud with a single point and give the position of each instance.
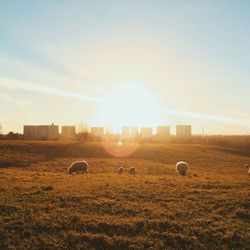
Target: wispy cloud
(209, 117)
(54, 73)
(28, 86)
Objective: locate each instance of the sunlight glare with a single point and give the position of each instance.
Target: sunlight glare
(129, 105)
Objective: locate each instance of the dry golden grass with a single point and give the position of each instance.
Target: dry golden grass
(42, 207)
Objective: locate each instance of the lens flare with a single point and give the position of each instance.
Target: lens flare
(120, 149)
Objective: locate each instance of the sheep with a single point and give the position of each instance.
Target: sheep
(181, 168)
(249, 171)
(132, 170)
(120, 170)
(246, 166)
(78, 166)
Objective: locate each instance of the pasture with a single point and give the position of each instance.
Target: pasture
(43, 207)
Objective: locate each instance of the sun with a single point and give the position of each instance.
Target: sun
(129, 104)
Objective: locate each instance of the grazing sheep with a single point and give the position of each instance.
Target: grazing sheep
(246, 166)
(120, 170)
(132, 170)
(181, 167)
(78, 166)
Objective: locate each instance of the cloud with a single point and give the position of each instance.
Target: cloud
(54, 69)
(209, 117)
(20, 102)
(28, 86)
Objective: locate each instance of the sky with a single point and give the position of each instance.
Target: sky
(126, 62)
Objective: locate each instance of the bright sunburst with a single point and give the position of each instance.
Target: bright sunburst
(130, 104)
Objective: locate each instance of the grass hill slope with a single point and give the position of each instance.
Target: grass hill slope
(42, 207)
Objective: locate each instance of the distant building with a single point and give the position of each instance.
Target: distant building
(134, 132)
(97, 131)
(163, 132)
(126, 131)
(146, 132)
(130, 132)
(68, 131)
(41, 132)
(183, 131)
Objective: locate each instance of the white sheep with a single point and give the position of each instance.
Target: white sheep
(120, 170)
(78, 166)
(182, 167)
(249, 171)
(246, 166)
(132, 170)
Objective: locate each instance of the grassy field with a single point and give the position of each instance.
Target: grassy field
(42, 207)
